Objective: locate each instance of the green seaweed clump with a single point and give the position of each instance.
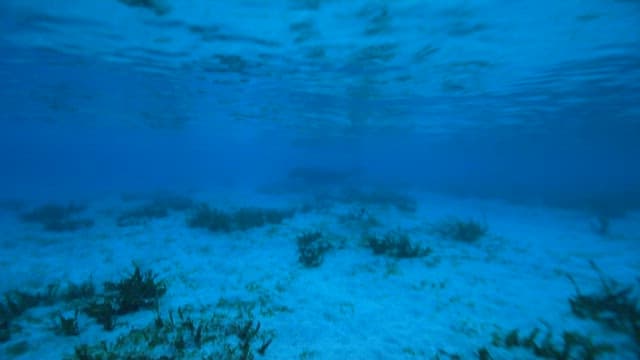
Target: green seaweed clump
(614, 306)
(573, 346)
(311, 248)
(133, 293)
(460, 230)
(244, 219)
(58, 218)
(395, 244)
(68, 326)
(103, 312)
(139, 290)
(213, 220)
(483, 354)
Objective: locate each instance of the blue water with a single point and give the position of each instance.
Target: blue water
(528, 103)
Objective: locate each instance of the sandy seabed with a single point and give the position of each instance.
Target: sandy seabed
(355, 305)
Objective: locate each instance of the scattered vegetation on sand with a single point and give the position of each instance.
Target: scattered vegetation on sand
(16, 302)
(615, 306)
(459, 230)
(137, 291)
(187, 335)
(134, 292)
(311, 248)
(58, 218)
(244, 219)
(573, 345)
(396, 244)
